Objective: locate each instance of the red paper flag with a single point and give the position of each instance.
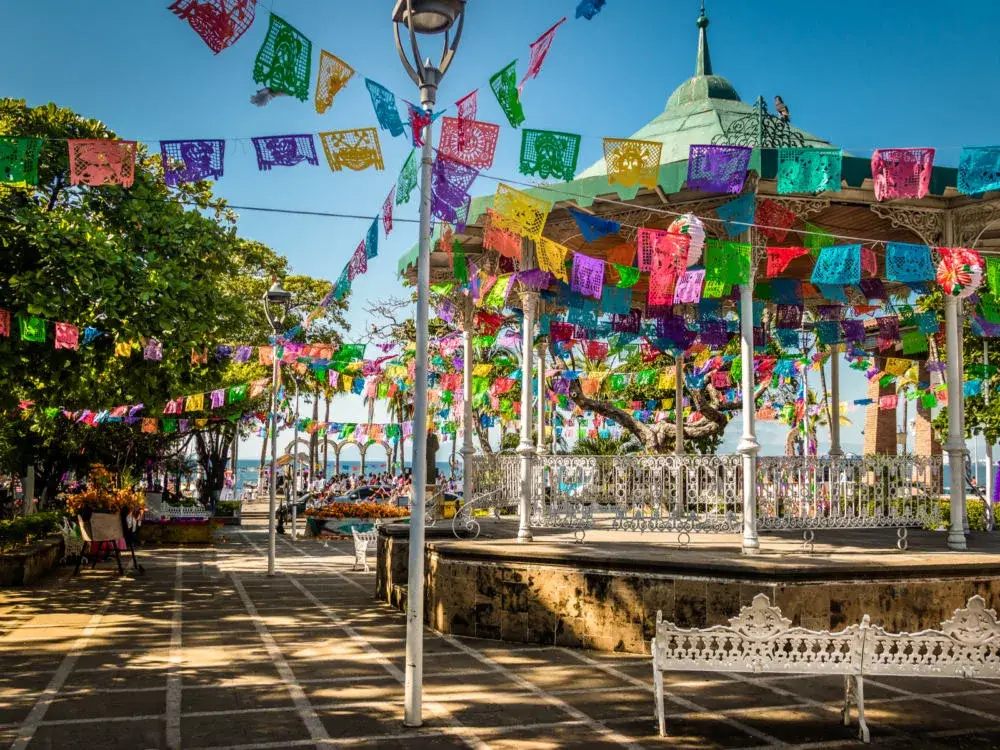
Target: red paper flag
(539, 49)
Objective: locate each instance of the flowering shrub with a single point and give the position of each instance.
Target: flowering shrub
(357, 510)
(102, 496)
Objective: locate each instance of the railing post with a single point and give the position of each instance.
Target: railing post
(681, 486)
(748, 445)
(525, 449)
(955, 444)
(835, 449)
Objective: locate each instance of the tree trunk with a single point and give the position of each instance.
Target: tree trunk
(454, 450)
(326, 444)
(483, 435)
(314, 437)
(263, 457)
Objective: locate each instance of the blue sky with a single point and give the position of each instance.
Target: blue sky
(862, 75)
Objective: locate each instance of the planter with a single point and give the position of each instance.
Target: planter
(28, 565)
(174, 532)
(340, 526)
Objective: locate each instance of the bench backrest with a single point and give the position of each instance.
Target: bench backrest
(760, 639)
(967, 645)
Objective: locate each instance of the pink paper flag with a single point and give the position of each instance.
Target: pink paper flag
(67, 336)
(689, 286)
(218, 398)
(387, 211)
(539, 49)
(902, 172)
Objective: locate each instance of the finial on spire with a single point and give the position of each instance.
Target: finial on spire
(703, 66)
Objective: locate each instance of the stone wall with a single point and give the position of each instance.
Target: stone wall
(615, 610)
(27, 566)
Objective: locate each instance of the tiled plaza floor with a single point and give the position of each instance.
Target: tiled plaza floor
(205, 651)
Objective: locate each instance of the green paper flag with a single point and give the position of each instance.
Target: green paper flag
(442, 289)
(816, 238)
(169, 425)
(284, 60)
(407, 180)
(914, 342)
(617, 382)
(728, 262)
(736, 371)
(627, 276)
(645, 377)
(32, 329)
(458, 259)
(928, 401)
(504, 86)
(19, 160)
(350, 353)
(993, 274)
(237, 393)
(498, 294)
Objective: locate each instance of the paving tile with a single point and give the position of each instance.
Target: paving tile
(93, 705)
(361, 721)
(242, 728)
(126, 735)
(690, 732)
(914, 715)
(799, 724)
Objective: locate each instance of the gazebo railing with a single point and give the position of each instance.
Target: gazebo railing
(813, 492)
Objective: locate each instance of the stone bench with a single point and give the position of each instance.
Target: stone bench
(363, 541)
(761, 641)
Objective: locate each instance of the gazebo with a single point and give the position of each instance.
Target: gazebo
(686, 493)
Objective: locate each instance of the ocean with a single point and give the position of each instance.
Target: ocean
(247, 468)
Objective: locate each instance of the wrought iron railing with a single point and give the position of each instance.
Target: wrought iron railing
(815, 492)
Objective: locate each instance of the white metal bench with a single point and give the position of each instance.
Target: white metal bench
(761, 641)
(362, 541)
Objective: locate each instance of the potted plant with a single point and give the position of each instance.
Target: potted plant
(108, 508)
(340, 517)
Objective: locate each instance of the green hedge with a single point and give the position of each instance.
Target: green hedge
(27, 529)
(974, 507)
(227, 508)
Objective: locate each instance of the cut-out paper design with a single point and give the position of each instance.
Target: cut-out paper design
(333, 76)
(728, 262)
(4, 322)
(284, 151)
(153, 351)
(497, 237)
(718, 169)
(418, 121)
(19, 160)
(355, 149)
(816, 238)
(521, 212)
(190, 161)
(67, 336)
(809, 170)
(539, 49)
(503, 83)
(407, 180)
(854, 330)
(907, 262)
(979, 169)
(840, 264)
(102, 162)
(788, 316)
(630, 323)
(738, 215)
(220, 23)
(874, 290)
(627, 276)
(622, 255)
(384, 102)
(450, 183)
(647, 241)
(688, 288)
(774, 220)
(869, 263)
(195, 402)
(778, 259)
(32, 328)
(218, 398)
(588, 275)
(594, 227)
(616, 300)
(358, 263)
(467, 106)
(835, 292)
(284, 60)
(631, 162)
(552, 257)
(589, 8)
(548, 153)
(902, 172)
(371, 240)
(468, 141)
(387, 211)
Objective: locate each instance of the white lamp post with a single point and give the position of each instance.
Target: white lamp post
(276, 304)
(422, 17)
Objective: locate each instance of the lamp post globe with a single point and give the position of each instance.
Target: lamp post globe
(427, 16)
(277, 296)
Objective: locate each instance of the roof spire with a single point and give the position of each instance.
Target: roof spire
(703, 66)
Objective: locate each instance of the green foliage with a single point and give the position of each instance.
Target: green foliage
(607, 446)
(975, 509)
(27, 529)
(227, 508)
(149, 261)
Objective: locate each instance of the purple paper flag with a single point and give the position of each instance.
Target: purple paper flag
(718, 169)
(450, 183)
(218, 398)
(190, 161)
(588, 275)
(284, 151)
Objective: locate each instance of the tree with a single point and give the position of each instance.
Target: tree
(138, 263)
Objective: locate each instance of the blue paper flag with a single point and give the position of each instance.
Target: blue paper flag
(384, 102)
(979, 169)
(738, 215)
(371, 241)
(907, 262)
(833, 292)
(593, 227)
(840, 264)
(589, 8)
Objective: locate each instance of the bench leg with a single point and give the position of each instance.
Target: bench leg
(364, 556)
(658, 697)
(846, 711)
(859, 687)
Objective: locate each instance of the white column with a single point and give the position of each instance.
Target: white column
(955, 444)
(467, 426)
(540, 402)
(989, 448)
(835, 449)
(679, 404)
(748, 444)
(526, 449)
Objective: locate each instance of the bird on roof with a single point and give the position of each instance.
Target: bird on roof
(781, 109)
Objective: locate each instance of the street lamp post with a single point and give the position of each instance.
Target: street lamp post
(276, 304)
(422, 17)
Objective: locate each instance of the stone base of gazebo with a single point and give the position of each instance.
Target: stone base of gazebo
(604, 594)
